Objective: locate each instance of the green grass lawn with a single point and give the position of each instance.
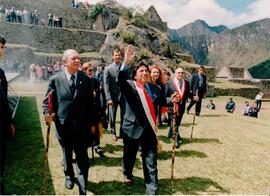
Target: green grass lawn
(25, 162)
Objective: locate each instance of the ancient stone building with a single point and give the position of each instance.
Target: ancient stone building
(232, 73)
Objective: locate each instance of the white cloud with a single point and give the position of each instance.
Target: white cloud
(180, 12)
(260, 9)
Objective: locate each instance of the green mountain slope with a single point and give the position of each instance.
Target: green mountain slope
(261, 70)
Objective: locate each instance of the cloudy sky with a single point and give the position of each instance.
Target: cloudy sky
(231, 13)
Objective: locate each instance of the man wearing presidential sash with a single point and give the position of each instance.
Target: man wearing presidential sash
(139, 121)
(177, 91)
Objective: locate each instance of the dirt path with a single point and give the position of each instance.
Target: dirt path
(228, 150)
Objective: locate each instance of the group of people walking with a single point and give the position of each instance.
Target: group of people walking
(77, 98)
(77, 102)
(77, 110)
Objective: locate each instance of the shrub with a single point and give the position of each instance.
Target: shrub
(128, 37)
(139, 21)
(95, 11)
(143, 54)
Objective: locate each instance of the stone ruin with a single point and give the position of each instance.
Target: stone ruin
(154, 19)
(231, 73)
(242, 75)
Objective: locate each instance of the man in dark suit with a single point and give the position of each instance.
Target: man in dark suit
(112, 92)
(177, 91)
(74, 116)
(6, 123)
(198, 88)
(139, 121)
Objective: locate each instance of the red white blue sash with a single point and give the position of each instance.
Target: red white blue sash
(148, 105)
(177, 87)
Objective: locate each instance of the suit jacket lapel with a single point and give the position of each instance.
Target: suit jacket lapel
(135, 90)
(65, 82)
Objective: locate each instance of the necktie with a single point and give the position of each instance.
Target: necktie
(180, 85)
(72, 84)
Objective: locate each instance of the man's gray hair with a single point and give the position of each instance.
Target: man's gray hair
(67, 53)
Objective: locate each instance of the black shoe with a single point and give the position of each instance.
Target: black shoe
(99, 151)
(69, 183)
(197, 114)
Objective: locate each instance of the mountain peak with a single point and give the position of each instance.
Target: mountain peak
(200, 22)
(200, 27)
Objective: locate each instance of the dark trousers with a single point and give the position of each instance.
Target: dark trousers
(50, 21)
(148, 143)
(197, 106)
(3, 149)
(259, 104)
(71, 141)
(112, 116)
(95, 137)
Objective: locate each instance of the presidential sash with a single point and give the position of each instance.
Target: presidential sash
(148, 105)
(177, 88)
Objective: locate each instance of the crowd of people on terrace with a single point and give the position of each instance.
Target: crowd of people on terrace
(29, 17)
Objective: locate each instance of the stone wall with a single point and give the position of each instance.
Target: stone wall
(52, 39)
(243, 92)
(210, 91)
(162, 26)
(184, 57)
(263, 85)
(249, 93)
(237, 72)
